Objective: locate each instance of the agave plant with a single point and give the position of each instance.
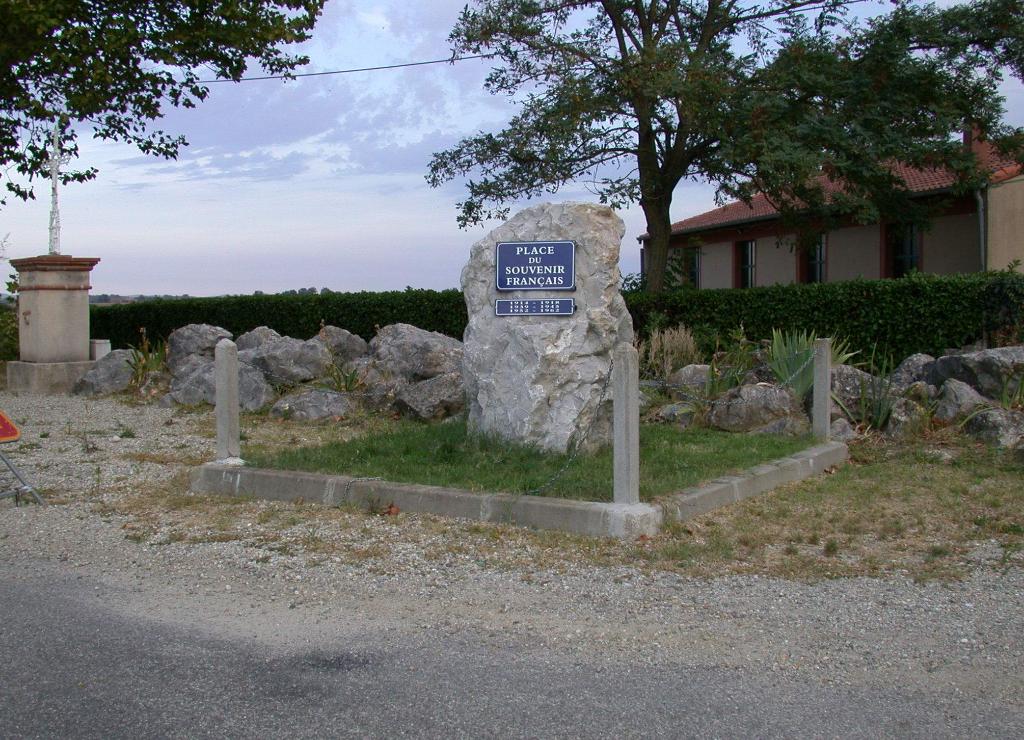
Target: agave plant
(790, 355)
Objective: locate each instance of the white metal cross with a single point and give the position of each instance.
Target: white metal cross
(57, 158)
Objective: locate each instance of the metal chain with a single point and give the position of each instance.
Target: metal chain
(579, 440)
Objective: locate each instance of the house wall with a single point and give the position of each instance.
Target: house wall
(716, 265)
(951, 245)
(854, 252)
(776, 262)
(1006, 223)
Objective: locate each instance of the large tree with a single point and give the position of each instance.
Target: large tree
(112, 65)
(784, 97)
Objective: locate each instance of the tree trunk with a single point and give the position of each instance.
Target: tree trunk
(659, 230)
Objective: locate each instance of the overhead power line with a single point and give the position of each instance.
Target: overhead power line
(349, 71)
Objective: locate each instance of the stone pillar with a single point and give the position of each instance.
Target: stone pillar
(53, 323)
(821, 410)
(626, 384)
(225, 358)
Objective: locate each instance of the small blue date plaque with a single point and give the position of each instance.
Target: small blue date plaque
(535, 307)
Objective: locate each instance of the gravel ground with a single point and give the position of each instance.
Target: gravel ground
(963, 641)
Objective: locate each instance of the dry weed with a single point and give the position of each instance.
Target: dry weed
(667, 350)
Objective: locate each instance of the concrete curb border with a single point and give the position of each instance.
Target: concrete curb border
(625, 521)
(695, 501)
(581, 517)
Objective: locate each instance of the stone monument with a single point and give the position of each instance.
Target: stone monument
(53, 307)
(53, 323)
(545, 317)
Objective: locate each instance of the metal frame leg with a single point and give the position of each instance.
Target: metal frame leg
(25, 489)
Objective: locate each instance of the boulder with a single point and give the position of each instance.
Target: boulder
(690, 377)
(378, 388)
(957, 399)
(188, 342)
(542, 381)
(675, 413)
(256, 338)
(1000, 427)
(921, 392)
(788, 426)
(110, 374)
(288, 361)
(155, 384)
(435, 398)
(848, 384)
(914, 369)
(757, 408)
(905, 419)
(189, 364)
(383, 397)
(343, 345)
(990, 371)
(312, 404)
(367, 372)
(760, 372)
(842, 431)
(414, 354)
(200, 387)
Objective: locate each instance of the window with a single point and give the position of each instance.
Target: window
(902, 250)
(812, 262)
(684, 266)
(691, 266)
(745, 261)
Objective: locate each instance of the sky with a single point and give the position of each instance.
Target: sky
(315, 182)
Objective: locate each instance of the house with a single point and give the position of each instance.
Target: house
(741, 245)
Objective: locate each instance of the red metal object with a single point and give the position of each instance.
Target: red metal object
(8, 431)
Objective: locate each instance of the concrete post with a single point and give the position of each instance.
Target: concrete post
(626, 424)
(225, 358)
(822, 404)
(98, 348)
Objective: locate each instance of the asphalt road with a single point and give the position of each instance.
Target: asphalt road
(74, 665)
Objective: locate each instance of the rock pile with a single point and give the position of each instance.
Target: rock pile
(418, 374)
(331, 375)
(982, 389)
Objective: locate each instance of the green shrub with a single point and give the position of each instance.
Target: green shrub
(8, 333)
(1003, 305)
(146, 358)
(918, 313)
(297, 316)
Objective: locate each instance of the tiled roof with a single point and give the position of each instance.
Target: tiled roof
(917, 180)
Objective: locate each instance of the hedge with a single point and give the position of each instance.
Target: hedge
(291, 315)
(896, 318)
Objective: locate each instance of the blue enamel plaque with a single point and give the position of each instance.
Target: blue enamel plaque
(536, 265)
(535, 307)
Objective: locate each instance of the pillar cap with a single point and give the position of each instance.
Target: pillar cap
(54, 263)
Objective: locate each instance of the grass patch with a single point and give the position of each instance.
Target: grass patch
(445, 455)
(894, 508)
